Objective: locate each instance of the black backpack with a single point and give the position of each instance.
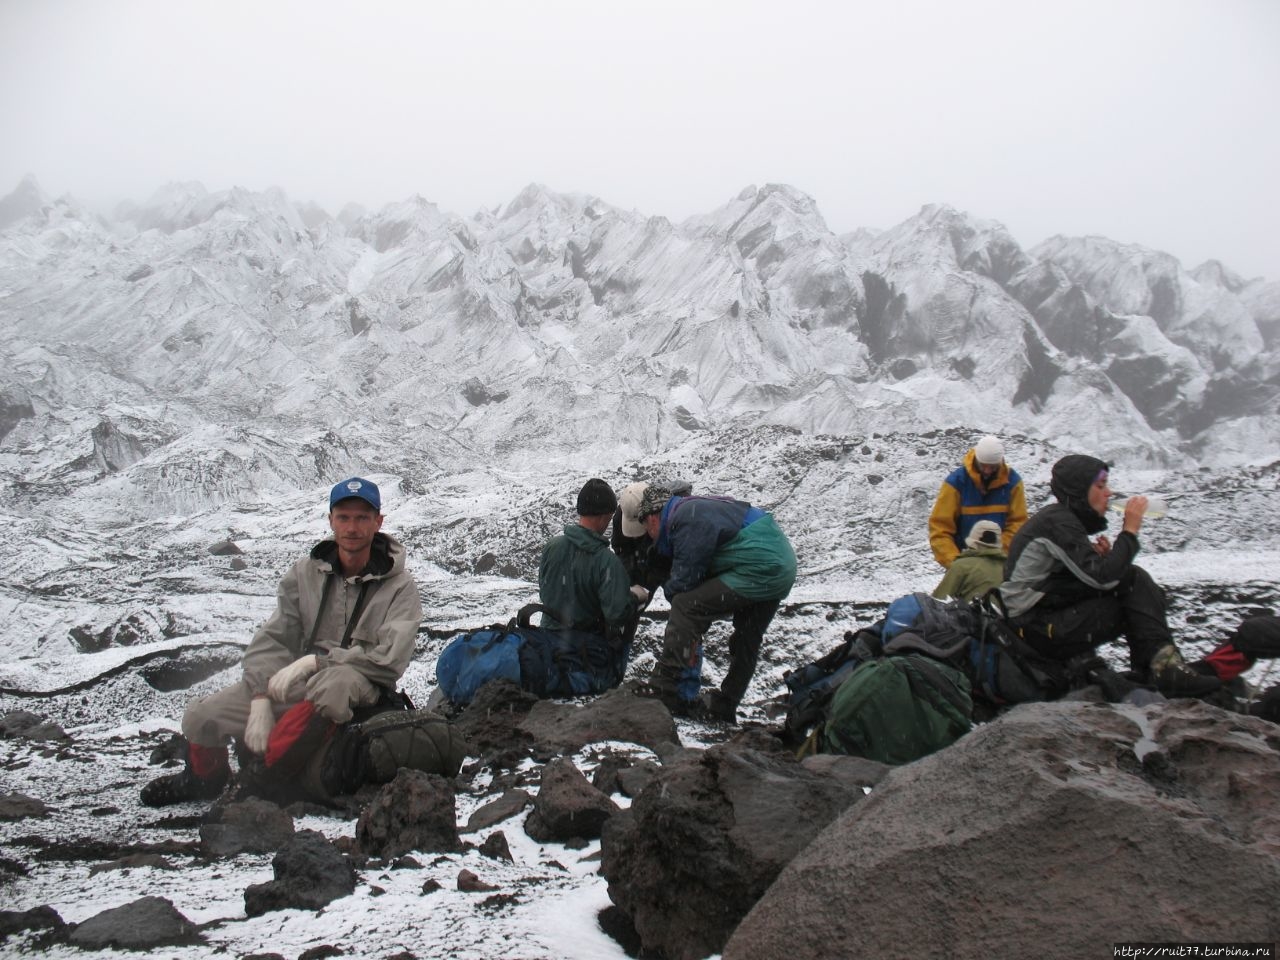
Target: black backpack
(811, 687)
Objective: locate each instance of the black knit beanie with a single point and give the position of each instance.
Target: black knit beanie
(596, 498)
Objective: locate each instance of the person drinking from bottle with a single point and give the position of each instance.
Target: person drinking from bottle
(1069, 594)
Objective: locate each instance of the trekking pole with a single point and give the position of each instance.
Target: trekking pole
(1261, 685)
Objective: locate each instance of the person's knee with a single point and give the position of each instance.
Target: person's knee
(336, 690)
(208, 721)
(1140, 583)
(196, 723)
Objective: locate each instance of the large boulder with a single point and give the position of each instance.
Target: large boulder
(1056, 830)
(505, 724)
(143, 924)
(707, 837)
(18, 806)
(617, 716)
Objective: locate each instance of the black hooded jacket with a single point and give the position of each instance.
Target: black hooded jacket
(1052, 562)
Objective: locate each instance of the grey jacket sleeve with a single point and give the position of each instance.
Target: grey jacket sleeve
(277, 642)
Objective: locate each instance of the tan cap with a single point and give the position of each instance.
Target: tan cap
(629, 502)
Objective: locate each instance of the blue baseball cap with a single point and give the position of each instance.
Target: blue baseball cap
(360, 489)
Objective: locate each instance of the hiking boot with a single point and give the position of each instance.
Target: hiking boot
(182, 787)
(717, 706)
(1175, 678)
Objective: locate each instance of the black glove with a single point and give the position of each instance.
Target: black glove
(1174, 678)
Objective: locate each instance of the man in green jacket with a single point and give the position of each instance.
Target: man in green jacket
(979, 567)
(582, 584)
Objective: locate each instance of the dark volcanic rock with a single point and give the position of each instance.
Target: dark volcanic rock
(141, 925)
(567, 805)
(415, 811)
(21, 921)
(491, 722)
(18, 806)
(468, 882)
(707, 837)
(617, 715)
(1058, 829)
(495, 847)
(132, 862)
(621, 774)
(857, 772)
(248, 826)
(28, 726)
(495, 811)
(309, 872)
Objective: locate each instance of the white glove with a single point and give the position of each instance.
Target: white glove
(640, 593)
(258, 730)
(282, 680)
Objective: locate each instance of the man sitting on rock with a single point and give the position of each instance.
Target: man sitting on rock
(728, 560)
(342, 633)
(1069, 595)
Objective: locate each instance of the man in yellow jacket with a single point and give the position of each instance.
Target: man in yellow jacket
(984, 487)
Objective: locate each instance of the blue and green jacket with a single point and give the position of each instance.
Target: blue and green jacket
(742, 545)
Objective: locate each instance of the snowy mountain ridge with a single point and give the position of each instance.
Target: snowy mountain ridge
(569, 326)
(185, 380)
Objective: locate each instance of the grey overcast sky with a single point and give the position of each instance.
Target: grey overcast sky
(1147, 121)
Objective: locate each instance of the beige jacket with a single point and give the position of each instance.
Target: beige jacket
(383, 639)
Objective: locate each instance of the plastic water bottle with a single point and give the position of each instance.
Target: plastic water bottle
(1156, 507)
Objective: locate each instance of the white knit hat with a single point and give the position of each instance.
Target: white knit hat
(989, 451)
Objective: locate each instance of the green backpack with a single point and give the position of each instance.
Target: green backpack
(898, 709)
(373, 750)
(417, 739)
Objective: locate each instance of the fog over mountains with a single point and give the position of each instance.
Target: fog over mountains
(207, 331)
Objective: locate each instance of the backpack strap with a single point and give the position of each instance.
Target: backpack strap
(324, 598)
(366, 588)
(908, 642)
(993, 620)
(523, 616)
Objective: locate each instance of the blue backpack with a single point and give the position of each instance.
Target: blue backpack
(473, 659)
(546, 663)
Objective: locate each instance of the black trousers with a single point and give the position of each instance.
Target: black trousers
(1135, 610)
(679, 668)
